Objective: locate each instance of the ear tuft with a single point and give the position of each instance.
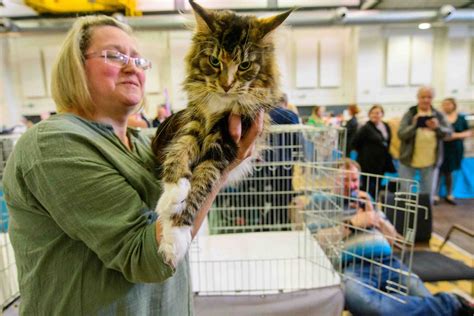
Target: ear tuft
(270, 23)
(204, 19)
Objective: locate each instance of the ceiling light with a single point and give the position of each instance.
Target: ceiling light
(446, 12)
(424, 26)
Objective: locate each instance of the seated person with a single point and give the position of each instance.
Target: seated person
(367, 261)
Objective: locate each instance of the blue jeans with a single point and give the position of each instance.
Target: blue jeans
(361, 300)
(428, 178)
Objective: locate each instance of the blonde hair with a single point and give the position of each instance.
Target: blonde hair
(316, 110)
(347, 164)
(453, 102)
(69, 87)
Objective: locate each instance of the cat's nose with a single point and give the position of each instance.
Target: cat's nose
(226, 87)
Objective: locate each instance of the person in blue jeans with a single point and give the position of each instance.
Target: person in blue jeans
(367, 284)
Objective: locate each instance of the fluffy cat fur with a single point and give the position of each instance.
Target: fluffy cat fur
(231, 68)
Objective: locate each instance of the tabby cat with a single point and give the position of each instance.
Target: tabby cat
(231, 68)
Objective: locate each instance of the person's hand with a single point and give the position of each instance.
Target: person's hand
(366, 219)
(369, 207)
(432, 123)
(246, 142)
(415, 119)
(387, 229)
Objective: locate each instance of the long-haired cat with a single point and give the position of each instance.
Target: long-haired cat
(231, 68)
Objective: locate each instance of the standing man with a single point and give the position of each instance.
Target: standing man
(421, 133)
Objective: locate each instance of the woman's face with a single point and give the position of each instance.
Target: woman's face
(113, 89)
(448, 106)
(376, 115)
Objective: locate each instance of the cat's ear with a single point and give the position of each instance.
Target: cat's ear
(270, 23)
(203, 18)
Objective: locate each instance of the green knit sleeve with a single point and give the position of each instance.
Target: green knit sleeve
(93, 203)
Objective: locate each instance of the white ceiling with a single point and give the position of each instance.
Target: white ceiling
(16, 8)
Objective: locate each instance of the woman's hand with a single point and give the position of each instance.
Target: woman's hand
(246, 145)
(246, 142)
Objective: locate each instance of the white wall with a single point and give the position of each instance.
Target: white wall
(9, 96)
(326, 66)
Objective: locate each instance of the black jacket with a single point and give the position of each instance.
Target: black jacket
(372, 149)
(351, 127)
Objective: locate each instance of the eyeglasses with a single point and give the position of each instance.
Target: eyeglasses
(117, 59)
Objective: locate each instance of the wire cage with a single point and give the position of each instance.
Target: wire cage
(254, 245)
(327, 210)
(281, 229)
(9, 289)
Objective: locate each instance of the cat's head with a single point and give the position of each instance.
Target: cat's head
(231, 61)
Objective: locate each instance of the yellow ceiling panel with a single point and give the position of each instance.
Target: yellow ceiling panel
(80, 6)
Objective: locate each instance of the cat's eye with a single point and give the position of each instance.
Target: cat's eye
(245, 65)
(214, 61)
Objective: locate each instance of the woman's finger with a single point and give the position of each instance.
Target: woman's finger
(255, 130)
(235, 127)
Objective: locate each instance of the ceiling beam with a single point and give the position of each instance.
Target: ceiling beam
(468, 4)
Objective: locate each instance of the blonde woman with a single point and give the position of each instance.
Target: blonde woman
(81, 189)
(316, 118)
(453, 146)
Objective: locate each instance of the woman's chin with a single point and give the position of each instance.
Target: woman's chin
(132, 100)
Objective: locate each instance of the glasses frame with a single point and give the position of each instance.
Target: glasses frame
(107, 55)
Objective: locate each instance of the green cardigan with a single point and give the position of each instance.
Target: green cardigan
(82, 224)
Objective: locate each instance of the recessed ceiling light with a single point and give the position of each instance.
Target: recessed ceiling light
(424, 26)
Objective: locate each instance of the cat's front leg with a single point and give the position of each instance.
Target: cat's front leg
(175, 240)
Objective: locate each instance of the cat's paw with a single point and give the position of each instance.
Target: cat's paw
(179, 190)
(174, 243)
(182, 241)
(172, 201)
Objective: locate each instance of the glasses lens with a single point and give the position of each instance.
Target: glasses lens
(120, 60)
(143, 63)
(115, 58)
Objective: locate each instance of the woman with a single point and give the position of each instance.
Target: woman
(316, 118)
(372, 142)
(453, 146)
(81, 189)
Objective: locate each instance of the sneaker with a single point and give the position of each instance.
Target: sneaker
(467, 303)
(436, 200)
